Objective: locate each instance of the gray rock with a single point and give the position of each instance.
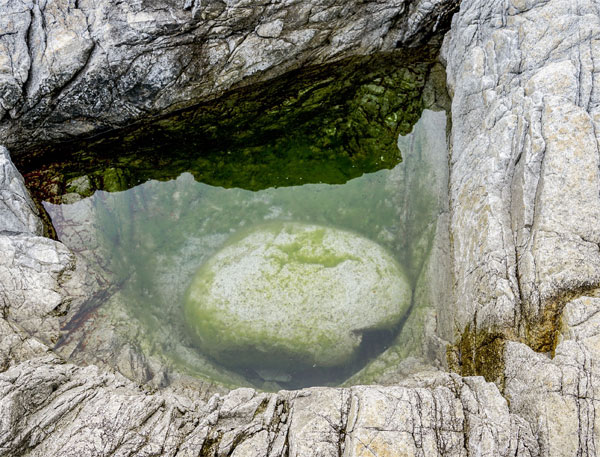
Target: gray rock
(84, 411)
(37, 275)
(293, 294)
(32, 272)
(558, 395)
(524, 250)
(17, 211)
(73, 67)
(525, 207)
(524, 199)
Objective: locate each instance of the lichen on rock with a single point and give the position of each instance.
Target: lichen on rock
(290, 295)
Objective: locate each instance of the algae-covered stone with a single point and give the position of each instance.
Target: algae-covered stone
(289, 295)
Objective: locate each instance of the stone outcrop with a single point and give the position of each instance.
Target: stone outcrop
(84, 411)
(523, 213)
(81, 66)
(524, 155)
(525, 208)
(17, 210)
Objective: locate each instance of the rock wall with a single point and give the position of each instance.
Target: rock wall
(524, 162)
(81, 66)
(525, 206)
(524, 202)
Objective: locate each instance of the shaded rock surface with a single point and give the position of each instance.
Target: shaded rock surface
(292, 295)
(76, 67)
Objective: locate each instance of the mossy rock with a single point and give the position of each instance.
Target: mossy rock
(325, 123)
(289, 295)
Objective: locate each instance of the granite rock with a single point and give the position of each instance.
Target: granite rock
(524, 239)
(17, 211)
(293, 295)
(85, 411)
(524, 207)
(524, 162)
(81, 66)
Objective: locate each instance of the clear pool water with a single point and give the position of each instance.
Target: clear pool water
(145, 209)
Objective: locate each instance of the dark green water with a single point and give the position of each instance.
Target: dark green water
(324, 124)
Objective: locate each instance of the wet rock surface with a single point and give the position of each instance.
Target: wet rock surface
(292, 296)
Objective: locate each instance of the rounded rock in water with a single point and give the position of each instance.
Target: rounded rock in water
(291, 295)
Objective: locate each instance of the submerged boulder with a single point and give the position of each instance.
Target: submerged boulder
(292, 295)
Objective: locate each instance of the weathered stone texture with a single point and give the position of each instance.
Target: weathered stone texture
(76, 66)
(17, 210)
(524, 211)
(525, 206)
(558, 396)
(32, 270)
(524, 160)
(84, 411)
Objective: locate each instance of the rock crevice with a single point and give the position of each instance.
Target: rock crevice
(81, 67)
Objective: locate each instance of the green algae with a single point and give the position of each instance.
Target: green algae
(175, 226)
(480, 352)
(309, 330)
(335, 124)
(328, 123)
(309, 249)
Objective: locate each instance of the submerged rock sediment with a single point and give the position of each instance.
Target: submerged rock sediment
(293, 296)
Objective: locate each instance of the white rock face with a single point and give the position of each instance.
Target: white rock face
(17, 210)
(291, 293)
(524, 158)
(523, 217)
(525, 205)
